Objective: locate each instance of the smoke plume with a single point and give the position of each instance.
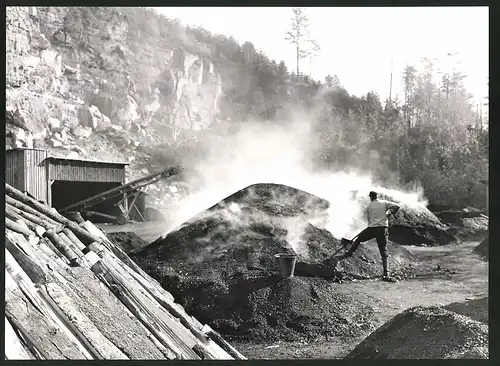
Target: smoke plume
(281, 153)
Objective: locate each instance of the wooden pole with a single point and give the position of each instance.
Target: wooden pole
(14, 226)
(27, 209)
(45, 223)
(61, 246)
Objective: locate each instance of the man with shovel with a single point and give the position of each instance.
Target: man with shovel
(377, 214)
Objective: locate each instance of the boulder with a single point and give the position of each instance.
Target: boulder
(81, 132)
(54, 124)
(93, 118)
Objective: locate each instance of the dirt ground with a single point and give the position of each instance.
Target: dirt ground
(467, 279)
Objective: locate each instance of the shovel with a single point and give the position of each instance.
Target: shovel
(345, 242)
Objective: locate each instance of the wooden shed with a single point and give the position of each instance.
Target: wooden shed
(59, 181)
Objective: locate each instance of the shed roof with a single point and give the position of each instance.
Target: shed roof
(63, 304)
(54, 158)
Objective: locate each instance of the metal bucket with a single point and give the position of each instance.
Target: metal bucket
(286, 264)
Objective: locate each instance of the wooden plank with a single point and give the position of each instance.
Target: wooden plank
(14, 347)
(221, 342)
(88, 331)
(167, 302)
(178, 332)
(47, 336)
(63, 339)
(141, 309)
(109, 314)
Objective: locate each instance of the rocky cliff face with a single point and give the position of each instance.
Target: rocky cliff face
(75, 73)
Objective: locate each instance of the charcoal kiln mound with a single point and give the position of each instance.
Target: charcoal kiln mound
(466, 224)
(127, 241)
(426, 333)
(415, 224)
(483, 249)
(246, 230)
(221, 266)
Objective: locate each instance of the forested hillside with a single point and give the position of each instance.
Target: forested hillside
(161, 89)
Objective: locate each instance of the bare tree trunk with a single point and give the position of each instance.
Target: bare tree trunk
(298, 53)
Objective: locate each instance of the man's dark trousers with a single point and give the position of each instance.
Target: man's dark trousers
(380, 234)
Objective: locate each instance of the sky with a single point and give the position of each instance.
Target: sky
(359, 44)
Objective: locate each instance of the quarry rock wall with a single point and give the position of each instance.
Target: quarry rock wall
(73, 67)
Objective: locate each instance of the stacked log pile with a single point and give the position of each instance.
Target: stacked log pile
(70, 293)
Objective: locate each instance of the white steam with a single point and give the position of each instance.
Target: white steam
(281, 153)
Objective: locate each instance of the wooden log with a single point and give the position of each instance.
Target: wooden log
(61, 246)
(70, 244)
(174, 326)
(96, 248)
(202, 353)
(121, 256)
(14, 347)
(46, 259)
(109, 245)
(47, 245)
(14, 226)
(56, 337)
(30, 210)
(74, 239)
(45, 223)
(69, 325)
(74, 216)
(84, 236)
(110, 315)
(35, 228)
(90, 214)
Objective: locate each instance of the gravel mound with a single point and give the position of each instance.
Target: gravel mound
(127, 241)
(220, 265)
(483, 249)
(427, 333)
(259, 307)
